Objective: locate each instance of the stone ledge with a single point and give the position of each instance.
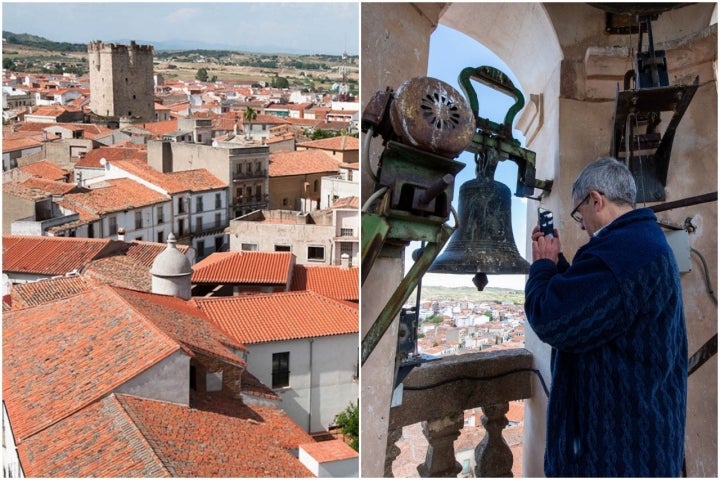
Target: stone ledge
(445, 399)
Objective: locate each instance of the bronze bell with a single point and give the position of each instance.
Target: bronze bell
(483, 243)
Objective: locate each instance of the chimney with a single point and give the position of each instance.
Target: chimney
(344, 261)
(332, 458)
(6, 290)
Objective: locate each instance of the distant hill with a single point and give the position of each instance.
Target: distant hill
(34, 41)
(178, 45)
(470, 294)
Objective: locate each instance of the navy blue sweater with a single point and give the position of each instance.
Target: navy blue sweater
(615, 322)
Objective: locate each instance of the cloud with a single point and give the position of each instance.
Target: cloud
(181, 15)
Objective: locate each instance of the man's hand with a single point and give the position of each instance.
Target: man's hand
(545, 247)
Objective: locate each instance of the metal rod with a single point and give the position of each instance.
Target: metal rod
(401, 294)
(685, 202)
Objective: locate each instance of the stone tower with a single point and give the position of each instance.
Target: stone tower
(171, 272)
(121, 82)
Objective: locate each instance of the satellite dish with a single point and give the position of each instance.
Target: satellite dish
(103, 161)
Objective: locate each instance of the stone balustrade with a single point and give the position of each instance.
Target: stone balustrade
(437, 393)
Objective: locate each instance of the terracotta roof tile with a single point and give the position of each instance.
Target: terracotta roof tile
(120, 271)
(245, 268)
(46, 170)
(86, 215)
(219, 437)
(49, 110)
(302, 162)
(161, 128)
(20, 143)
(82, 347)
(145, 252)
(331, 281)
(113, 153)
(184, 322)
(123, 264)
(347, 202)
(21, 191)
(90, 130)
(50, 255)
(198, 180)
(98, 441)
(342, 143)
(51, 187)
(36, 293)
(250, 385)
(141, 169)
(116, 195)
(280, 316)
(329, 451)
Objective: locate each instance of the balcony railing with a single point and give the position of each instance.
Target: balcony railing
(437, 393)
(262, 173)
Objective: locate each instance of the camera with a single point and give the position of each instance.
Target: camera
(545, 220)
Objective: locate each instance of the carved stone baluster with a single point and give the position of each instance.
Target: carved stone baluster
(493, 457)
(440, 458)
(392, 450)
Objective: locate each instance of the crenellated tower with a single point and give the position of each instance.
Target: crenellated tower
(121, 83)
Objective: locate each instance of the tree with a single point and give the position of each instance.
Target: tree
(349, 422)
(280, 82)
(8, 64)
(249, 116)
(202, 74)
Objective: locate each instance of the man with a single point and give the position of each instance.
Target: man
(615, 322)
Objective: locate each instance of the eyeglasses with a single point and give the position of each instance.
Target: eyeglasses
(575, 214)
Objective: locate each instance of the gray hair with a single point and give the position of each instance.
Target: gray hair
(609, 176)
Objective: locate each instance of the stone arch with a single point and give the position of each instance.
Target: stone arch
(521, 34)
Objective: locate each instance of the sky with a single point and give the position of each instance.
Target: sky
(327, 28)
(450, 52)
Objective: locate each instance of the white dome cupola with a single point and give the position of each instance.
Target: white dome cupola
(171, 272)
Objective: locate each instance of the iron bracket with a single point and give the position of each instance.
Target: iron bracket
(490, 135)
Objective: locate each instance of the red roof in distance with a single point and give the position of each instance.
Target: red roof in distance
(280, 316)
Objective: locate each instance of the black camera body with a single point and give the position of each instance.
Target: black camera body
(545, 220)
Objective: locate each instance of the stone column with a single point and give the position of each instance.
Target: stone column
(440, 457)
(493, 457)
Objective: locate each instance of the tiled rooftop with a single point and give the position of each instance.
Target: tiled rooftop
(113, 153)
(329, 451)
(191, 180)
(331, 281)
(50, 255)
(185, 323)
(82, 347)
(198, 180)
(347, 202)
(145, 252)
(45, 169)
(219, 437)
(128, 436)
(244, 268)
(20, 143)
(280, 316)
(161, 128)
(116, 195)
(35, 188)
(61, 255)
(100, 440)
(301, 162)
(36, 293)
(342, 143)
(90, 130)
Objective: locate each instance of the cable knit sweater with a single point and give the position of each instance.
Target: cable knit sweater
(615, 322)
